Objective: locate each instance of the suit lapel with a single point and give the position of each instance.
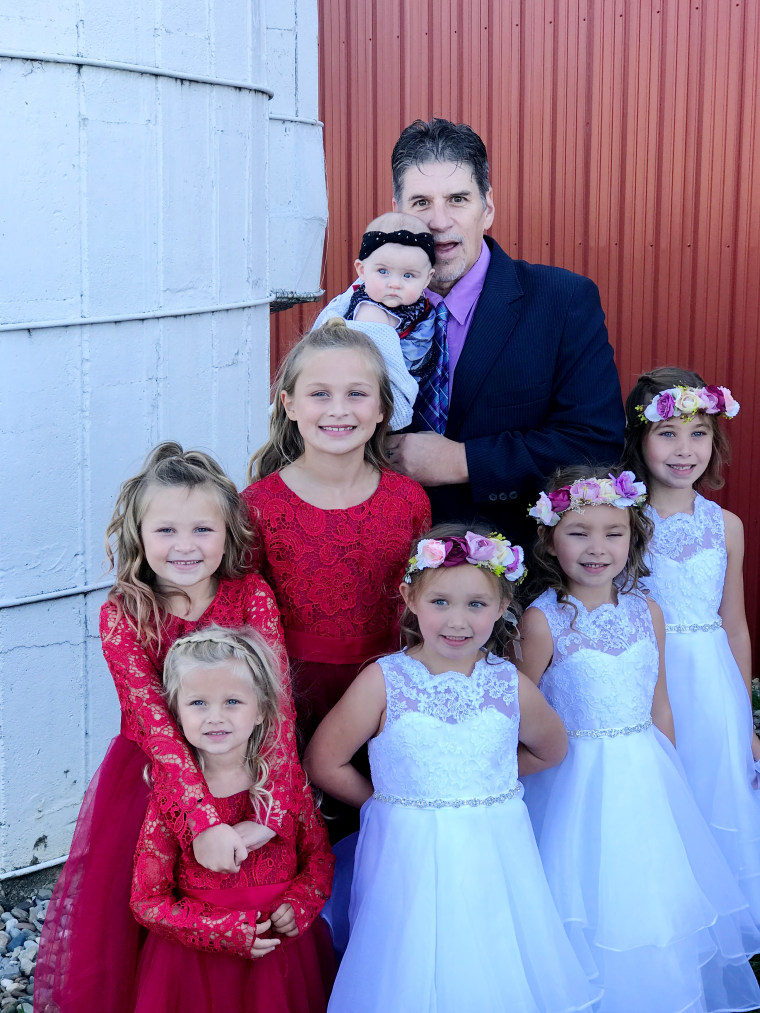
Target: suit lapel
(493, 323)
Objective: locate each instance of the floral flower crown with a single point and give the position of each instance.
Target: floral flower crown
(492, 553)
(684, 403)
(623, 491)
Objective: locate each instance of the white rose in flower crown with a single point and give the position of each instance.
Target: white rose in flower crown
(503, 553)
(732, 405)
(430, 552)
(543, 512)
(688, 402)
(607, 492)
(516, 566)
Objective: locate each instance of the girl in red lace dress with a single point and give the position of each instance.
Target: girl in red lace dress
(182, 546)
(334, 521)
(247, 942)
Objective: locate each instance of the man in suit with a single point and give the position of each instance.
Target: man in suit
(525, 374)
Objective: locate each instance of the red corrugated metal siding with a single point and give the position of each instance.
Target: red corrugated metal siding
(625, 144)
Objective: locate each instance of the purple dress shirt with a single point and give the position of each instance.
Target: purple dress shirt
(461, 302)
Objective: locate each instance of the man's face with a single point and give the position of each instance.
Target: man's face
(446, 198)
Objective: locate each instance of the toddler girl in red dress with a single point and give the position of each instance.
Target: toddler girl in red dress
(182, 542)
(246, 942)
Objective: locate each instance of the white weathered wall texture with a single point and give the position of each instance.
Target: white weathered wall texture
(149, 211)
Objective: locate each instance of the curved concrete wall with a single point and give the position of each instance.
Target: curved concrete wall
(135, 286)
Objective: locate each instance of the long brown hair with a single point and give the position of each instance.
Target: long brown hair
(135, 592)
(547, 573)
(505, 627)
(646, 388)
(285, 444)
(215, 645)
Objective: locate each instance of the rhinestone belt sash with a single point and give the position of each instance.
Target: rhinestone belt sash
(609, 733)
(449, 803)
(694, 628)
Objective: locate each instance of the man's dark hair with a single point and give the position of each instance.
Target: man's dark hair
(439, 141)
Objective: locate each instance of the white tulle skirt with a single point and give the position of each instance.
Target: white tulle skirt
(450, 913)
(713, 720)
(646, 897)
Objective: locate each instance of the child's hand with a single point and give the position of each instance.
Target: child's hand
(220, 849)
(263, 945)
(253, 834)
(284, 920)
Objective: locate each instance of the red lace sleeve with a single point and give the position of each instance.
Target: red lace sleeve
(311, 887)
(158, 907)
(181, 791)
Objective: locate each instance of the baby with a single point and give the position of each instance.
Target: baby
(395, 263)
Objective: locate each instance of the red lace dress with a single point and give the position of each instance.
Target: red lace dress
(90, 941)
(336, 575)
(197, 956)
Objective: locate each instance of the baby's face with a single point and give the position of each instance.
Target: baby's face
(395, 275)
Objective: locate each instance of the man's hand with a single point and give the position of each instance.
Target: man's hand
(428, 458)
(220, 849)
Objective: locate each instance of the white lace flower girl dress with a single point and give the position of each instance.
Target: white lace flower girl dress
(450, 910)
(711, 707)
(642, 888)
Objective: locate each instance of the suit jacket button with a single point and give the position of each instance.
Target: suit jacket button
(493, 497)
(502, 495)
(513, 495)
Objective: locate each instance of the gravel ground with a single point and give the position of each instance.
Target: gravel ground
(20, 925)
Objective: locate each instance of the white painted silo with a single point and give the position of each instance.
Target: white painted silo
(137, 266)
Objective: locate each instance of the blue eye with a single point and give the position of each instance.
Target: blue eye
(382, 270)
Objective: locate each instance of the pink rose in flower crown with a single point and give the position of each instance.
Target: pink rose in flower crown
(430, 552)
(730, 405)
(586, 490)
(479, 548)
(560, 499)
(714, 398)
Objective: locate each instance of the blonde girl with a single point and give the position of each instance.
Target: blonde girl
(334, 521)
(181, 541)
(249, 941)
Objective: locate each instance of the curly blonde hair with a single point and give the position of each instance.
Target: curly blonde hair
(285, 444)
(135, 592)
(213, 646)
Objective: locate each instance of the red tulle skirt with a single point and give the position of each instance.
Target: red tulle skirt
(90, 941)
(294, 978)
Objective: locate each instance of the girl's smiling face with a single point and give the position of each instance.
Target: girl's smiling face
(335, 401)
(456, 608)
(677, 453)
(183, 535)
(592, 548)
(217, 708)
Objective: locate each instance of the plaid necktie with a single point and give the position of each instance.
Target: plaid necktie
(433, 396)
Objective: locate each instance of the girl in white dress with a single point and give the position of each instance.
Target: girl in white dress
(675, 439)
(450, 910)
(643, 890)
